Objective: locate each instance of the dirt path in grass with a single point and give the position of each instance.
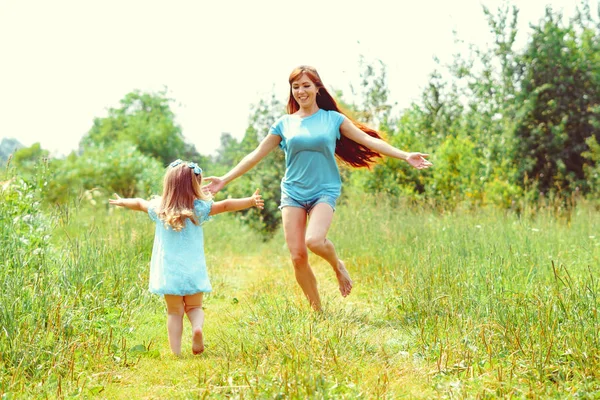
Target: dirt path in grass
(234, 280)
(259, 294)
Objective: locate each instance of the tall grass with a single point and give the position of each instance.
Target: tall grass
(466, 304)
(67, 297)
(500, 303)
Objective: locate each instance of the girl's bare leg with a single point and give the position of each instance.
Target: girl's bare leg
(195, 313)
(316, 239)
(294, 228)
(175, 311)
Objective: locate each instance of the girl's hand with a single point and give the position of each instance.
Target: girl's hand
(257, 200)
(116, 202)
(215, 184)
(136, 204)
(418, 160)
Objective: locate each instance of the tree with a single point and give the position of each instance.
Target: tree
(374, 108)
(27, 162)
(27, 157)
(389, 175)
(146, 121)
(485, 87)
(7, 147)
(266, 176)
(560, 97)
(229, 152)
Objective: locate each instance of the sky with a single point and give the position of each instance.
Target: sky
(66, 62)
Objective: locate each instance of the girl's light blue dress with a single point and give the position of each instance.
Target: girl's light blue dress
(178, 265)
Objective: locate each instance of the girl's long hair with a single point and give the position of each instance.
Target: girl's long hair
(347, 150)
(181, 186)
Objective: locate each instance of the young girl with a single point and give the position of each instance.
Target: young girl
(178, 266)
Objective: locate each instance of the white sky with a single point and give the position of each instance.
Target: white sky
(63, 63)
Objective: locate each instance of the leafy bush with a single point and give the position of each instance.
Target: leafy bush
(592, 168)
(456, 176)
(62, 291)
(118, 169)
(24, 237)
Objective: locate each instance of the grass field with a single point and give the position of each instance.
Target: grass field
(457, 305)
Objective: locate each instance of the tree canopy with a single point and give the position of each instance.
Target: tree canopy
(146, 121)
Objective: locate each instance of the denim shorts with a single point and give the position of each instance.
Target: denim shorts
(287, 201)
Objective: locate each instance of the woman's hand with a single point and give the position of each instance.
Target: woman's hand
(418, 160)
(257, 200)
(215, 185)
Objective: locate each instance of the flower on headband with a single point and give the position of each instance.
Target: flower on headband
(197, 170)
(195, 167)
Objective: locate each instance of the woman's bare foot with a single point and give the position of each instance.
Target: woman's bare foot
(343, 278)
(197, 341)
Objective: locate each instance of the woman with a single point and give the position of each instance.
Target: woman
(312, 133)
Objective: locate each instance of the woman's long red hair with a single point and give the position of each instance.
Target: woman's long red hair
(347, 150)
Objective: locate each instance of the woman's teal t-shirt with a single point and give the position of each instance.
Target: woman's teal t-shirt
(309, 146)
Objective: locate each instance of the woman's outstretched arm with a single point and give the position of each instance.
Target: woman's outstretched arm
(245, 165)
(352, 132)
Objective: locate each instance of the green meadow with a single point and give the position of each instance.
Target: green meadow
(477, 278)
(462, 304)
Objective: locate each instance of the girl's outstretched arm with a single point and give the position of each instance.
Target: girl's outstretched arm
(133, 204)
(222, 206)
(350, 130)
(268, 143)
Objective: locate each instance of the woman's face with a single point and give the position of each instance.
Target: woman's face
(304, 91)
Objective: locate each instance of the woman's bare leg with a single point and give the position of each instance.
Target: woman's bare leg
(294, 228)
(316, 239)
(195, 313)
(175, 311)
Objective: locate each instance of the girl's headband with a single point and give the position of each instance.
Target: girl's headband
(192, 165)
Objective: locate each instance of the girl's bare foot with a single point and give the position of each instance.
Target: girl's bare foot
(197, 341)
(343, 278)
